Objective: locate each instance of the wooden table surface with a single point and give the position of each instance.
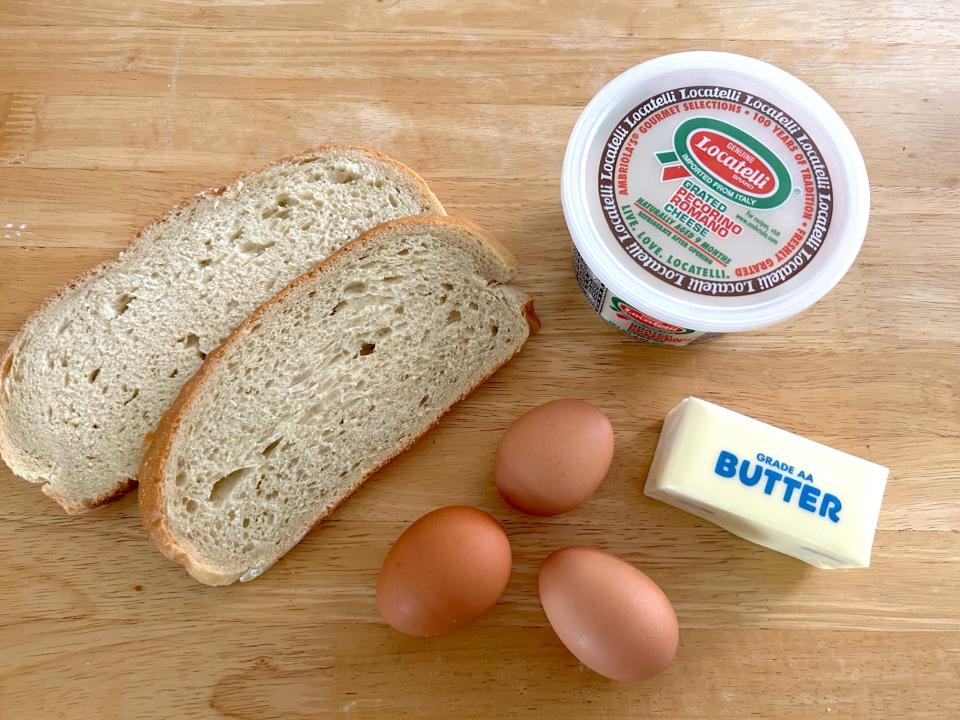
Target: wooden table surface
(112, 111)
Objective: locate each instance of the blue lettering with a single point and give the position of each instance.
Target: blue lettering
(830, 507)
(772, 477)
(791, 485)
(726, 464)
(750, 473)
(750, 480)
(808, 498)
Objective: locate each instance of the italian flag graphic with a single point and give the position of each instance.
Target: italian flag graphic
(672, 169)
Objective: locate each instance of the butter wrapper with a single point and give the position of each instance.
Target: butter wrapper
(769, 486)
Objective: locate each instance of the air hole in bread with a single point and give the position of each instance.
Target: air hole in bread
(307, 225)
(92, 377)
(133, 396)
(121, 303)
(443, 299)
(301, 377)
(63, 326)
(49, 413)
(403, 251)
(95, 426)
(355, 288)
(424, 400)
(191, 506)
(49, 364)
(453, 317)
(446, 286)
(64, 361)
(494, 329)
(205, 262)
(247, 547)
(222, 488)
(246, 522)
(384, 331)
(392, 199)
(392, 279)
(252, 249)
(367, 348)
(286, 200)
(268, 450)
(173, 373)
(341, 174)
(399, 310)
(472, 305)
(235, 235)
(66, 379)
(180, 480)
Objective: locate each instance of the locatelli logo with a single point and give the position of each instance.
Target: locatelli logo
(729, 161)
(713, 191)
(628, 312)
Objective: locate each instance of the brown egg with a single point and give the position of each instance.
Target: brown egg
(445, 571)
(554, 457)
(616, 620)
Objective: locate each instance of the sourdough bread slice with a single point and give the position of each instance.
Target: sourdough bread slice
(92, 371)
(323, 385)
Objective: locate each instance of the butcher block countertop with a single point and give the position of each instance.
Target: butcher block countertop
(111, 112)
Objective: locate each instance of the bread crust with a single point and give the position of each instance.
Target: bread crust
(151, 495)
(21, 463)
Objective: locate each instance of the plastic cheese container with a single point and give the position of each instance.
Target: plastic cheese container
(709, 193)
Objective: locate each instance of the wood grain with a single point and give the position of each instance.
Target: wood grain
(112, 111)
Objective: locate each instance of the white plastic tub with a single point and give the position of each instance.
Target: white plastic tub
(709, 193)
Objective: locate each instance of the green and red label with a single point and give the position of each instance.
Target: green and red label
(715, 191)
(628, 319)
(623, 311)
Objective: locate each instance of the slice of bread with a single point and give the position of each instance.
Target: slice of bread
(92, 371)
(324, 384)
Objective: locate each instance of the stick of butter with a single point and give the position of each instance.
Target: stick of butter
(767, 485)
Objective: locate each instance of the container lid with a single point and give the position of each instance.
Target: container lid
(714, 191)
